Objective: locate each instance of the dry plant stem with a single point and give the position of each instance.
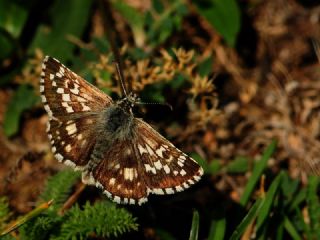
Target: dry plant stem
(72, 199)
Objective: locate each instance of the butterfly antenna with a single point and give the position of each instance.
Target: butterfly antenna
(121, 79)
(163, 104)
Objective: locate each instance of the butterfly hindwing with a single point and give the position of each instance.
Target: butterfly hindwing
(167, 170)
(120, 174)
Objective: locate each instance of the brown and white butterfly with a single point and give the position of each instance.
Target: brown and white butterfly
(115, 151)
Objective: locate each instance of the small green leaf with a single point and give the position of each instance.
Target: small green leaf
(177, 81)
(224, 17)
(205, 67)
(65, 24)
(23, 99)
(238, 165)
(12, 17)
(195, 226)
(135, 19)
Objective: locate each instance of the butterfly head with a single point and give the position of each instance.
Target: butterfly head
(129, 101)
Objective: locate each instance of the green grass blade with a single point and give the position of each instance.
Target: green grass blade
(43, 207)
(257, 172)
(291, 229)
(248, 219)
(269, 200)
(313, 207)
(195, 226)
(217, 229)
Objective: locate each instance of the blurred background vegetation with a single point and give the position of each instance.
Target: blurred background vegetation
(243, 80)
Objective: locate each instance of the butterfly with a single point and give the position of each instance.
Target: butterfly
(115, 151)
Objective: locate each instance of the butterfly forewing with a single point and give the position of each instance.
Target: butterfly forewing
(72, 105)
(64, 93)
(121, 154)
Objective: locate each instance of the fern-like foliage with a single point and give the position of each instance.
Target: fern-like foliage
(102, 219)
(58, 188)
(41, 227)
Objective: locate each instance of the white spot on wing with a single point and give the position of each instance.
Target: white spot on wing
(117, 199)
(69, 163)
(109, 195)
(112, 181)
(129, 173)
(68, 108)
(157, 191)
(142, 149)
(61, 70)
(190, 181)
(59, 75)
(68, 148)
(60, 90)
(85, 107)
(43, 99)
(142, 200)
(169, 190)
(47, 108)
(150, 169)
(66, 97)
(180, 163)
(179, 188)
(166, 169)
(59, 157)
(159, 151)
(75, 90)
(71, 129)
(158, 165)
(183, 172)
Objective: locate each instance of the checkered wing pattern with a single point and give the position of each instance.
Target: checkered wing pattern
(149, 163)
(73, 106)
(121, 154)
(167, 170)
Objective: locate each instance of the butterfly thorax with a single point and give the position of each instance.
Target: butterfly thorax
(118, 122)
(118, 119)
